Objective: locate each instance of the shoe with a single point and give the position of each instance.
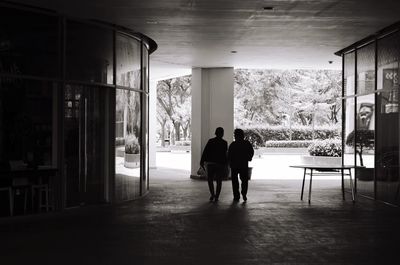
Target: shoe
(216, 199)
(244, 198)
(212, 198)
(236, 199)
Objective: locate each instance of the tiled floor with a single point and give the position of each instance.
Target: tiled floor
(176, 224)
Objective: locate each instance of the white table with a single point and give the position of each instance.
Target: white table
(327, 170)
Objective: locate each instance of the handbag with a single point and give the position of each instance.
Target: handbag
(201, 172)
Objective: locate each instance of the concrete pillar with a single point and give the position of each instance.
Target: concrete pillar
(152, 123)
(212, 107)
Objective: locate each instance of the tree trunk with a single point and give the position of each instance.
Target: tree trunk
(177, 126)
(163, 134)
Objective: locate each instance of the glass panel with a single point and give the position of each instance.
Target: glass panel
(366, 69)
(128, 145)
(349, 73)
(387, 144)
(84, 149)
(89, 53)
(349, 132)
(28, 43)
(145, 134)
(145, 68)
(27, 127)
(365, 144)
(128, 62)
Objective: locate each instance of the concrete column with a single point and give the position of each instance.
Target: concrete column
(152, 123)
(212, 107)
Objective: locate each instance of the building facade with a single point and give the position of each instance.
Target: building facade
(74, 97)
(371, 113)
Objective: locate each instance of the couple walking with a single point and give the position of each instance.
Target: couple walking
(217, 155)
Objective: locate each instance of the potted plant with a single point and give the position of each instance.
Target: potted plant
(132, 152)
(324, 152)
(361, 140)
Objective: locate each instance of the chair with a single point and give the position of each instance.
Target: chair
(19, 183)
(41, 190)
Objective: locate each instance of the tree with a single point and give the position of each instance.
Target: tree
(362, 139)
(173, 97)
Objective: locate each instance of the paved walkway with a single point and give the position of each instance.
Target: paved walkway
(267, 166)
(175, 224)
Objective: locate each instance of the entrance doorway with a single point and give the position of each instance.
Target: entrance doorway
(84, 114)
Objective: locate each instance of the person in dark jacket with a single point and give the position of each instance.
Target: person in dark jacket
(214, 158)
(240, 152)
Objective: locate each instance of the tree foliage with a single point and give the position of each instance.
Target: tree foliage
(174, 106)
(287, 97)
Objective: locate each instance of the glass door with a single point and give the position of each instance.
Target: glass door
(84, 151)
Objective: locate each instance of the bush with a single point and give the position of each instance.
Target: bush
(132, 145)
(182, 143)
(329, 147)
(119, 141)
(254, 137)
(288, 144)
(261, 134)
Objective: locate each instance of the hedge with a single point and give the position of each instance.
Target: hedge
(259, 135)
(288, 144)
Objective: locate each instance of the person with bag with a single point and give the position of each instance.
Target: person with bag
(215, 160)
(240, 152)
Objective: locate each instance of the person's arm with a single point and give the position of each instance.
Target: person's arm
(251, 151)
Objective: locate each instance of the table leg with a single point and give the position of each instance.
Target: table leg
(342, 171)
(302, 187)
(351, 186)
(309, 192)
(355, 182)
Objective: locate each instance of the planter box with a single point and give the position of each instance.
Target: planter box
(321, 160)
(132, 160)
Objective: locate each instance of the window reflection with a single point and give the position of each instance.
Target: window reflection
(28, 43)
(127, 144)
(27, 129)
(89, 53)
(387, 148)
(128, 62)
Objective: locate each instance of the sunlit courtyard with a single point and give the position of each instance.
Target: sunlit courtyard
(265, 166)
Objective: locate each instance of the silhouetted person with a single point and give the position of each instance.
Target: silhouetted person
(214, 157)
(240, 152)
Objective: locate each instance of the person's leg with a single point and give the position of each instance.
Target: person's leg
(245, 182)
(235, 184)
(210, 179)
(220, 171)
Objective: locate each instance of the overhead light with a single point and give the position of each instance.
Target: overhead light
(268, 8)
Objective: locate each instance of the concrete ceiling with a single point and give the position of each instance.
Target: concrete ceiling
(202, 33)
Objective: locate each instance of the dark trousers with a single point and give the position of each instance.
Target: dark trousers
(215, 172)
(244, 178)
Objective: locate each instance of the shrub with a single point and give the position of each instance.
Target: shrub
(182, 143)
(132, 145)
(329, 147)
(258, 135)
(254, 137)
(288, 144)
(119, 141)
(363, 141)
